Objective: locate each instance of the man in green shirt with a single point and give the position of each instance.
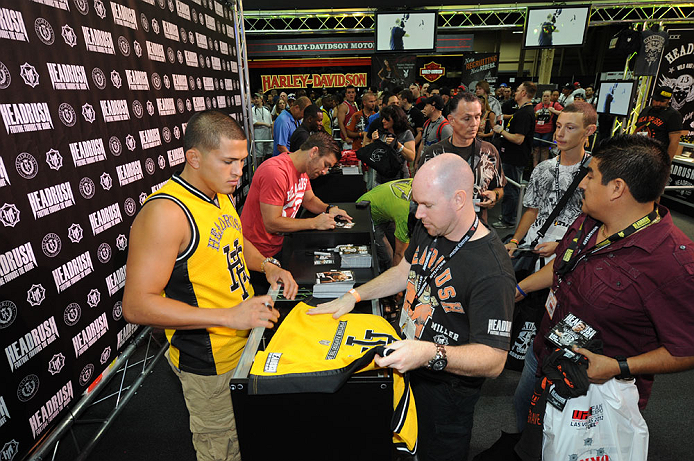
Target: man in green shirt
(390, 205)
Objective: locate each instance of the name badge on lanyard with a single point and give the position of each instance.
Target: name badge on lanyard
(551, 303)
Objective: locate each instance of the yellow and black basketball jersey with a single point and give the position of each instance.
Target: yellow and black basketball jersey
(210, 273)
(317, 353)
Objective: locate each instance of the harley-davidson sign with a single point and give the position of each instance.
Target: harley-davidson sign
(432, 71)
(314, 80)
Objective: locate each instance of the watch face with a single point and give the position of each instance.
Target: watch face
(439, 364)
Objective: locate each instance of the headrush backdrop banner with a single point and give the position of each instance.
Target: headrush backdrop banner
(677, 71)
(94, 98)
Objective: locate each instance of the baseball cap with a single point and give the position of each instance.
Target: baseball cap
(291, 96)
(436, 101)
(503, 85)
(662, 93)
(569, 86)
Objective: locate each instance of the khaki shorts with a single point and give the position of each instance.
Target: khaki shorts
(211, 415)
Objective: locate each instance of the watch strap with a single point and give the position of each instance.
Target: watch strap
(624, 372)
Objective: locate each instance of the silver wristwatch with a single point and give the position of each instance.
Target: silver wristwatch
(271, 261)
(439, 362)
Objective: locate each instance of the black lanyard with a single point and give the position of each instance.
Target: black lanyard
(577, 247)
(556, 173)
(424, 279)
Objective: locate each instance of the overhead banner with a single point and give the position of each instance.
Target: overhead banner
(393, 71)
(336, 45)
(94, 100)
(327, 80)
(677, 71)
(478, 67)
(311, 46)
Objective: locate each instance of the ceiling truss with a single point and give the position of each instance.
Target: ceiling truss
(453, 19)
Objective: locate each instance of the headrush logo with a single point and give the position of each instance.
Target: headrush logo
(89, 151)
(40, 420)
(130, 172)
(105, 218)
(180, 82)
(124, 16)
(176, 156)
(90, 334)
(4, 412)
(125, 334)
(30, 344)
(137, 80)
(97, 40)
(155, 51)
(115, 110)
(25, 117)
(201, 39)
(51, 199)
(60, 4)
(150, 138)
(67, 76)
(210, 22)
(198, 103)
(12, 25)
(17, 261)
(115, 281)
(166, 106)
(183, 9)
(191, 58)
(170, 30)
(72, 271)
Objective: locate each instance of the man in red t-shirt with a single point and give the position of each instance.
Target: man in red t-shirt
(280, 186)
(545, 115)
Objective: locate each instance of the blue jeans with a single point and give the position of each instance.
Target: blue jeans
(444, 419)
(509, 203)
(524, 389)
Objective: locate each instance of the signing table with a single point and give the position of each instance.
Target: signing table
(354, 422)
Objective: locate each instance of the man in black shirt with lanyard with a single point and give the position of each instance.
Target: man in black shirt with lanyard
(457, 311)
(516, 145)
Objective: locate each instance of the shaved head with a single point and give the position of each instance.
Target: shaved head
(446, 174)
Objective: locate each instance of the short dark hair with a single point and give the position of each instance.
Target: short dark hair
(385, 96)
(590, 116)
(312, 112)
(205, 129)
(325, 144)
(640, 161)
(530, 88)
(407, 96)
(303, 102)
(462, 96)
(350, 86)
(398, 116)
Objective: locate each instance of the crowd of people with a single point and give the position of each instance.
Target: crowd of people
(621, 265)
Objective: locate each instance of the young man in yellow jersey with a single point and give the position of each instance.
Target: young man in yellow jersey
(188, 273)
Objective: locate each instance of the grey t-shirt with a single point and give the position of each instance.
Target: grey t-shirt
(431, 130)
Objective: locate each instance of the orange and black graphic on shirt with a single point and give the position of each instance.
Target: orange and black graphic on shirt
(419, 310)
